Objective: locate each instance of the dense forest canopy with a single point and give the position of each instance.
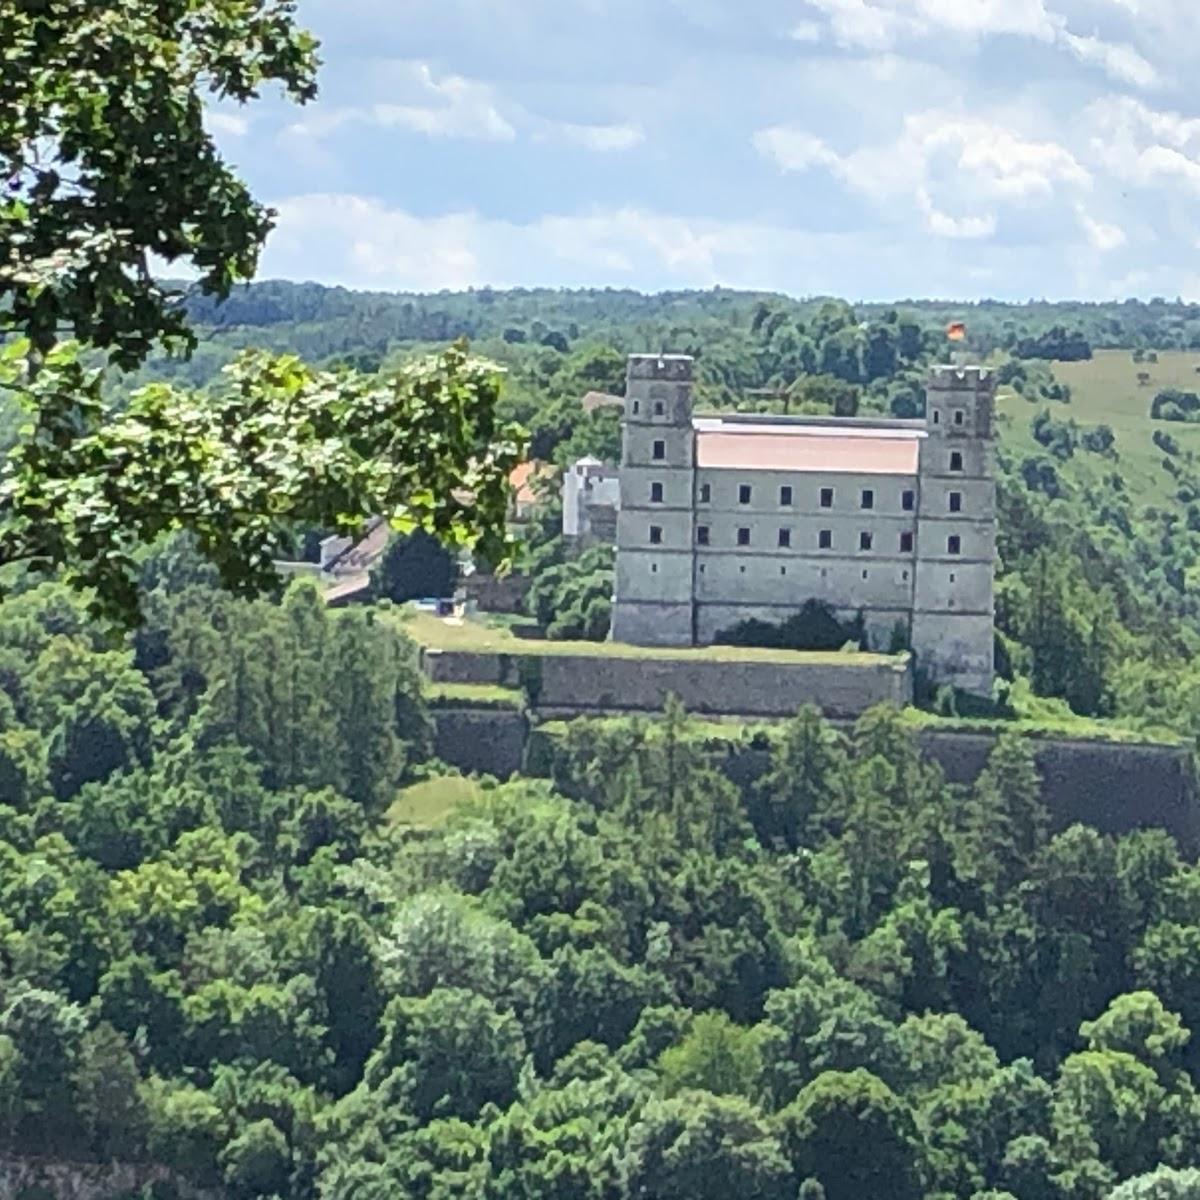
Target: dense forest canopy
(223, 960)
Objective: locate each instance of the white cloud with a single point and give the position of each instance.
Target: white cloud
(1121, 62)
(944, 225)
(794, 149)
(1101, 235)
(1143, 146)
(456, 107)
(858, 24)
(806, 31)
(601, 138)
(227, 124)
(876, 25)
(944, 164)
(363, 242)
(460, 108)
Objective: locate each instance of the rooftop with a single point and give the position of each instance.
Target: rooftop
(847, 446)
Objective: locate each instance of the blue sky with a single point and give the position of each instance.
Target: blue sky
(874, 149)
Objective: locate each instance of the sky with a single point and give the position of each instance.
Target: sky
(871, 149)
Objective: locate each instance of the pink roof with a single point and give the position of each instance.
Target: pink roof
(831, 449)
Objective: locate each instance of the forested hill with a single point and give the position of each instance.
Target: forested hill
(378, 319)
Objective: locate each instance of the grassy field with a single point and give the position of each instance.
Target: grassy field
(1105, 391)
(472, 695)
(428, 804)
(496, 638)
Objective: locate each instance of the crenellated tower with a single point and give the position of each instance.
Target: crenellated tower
(953, 601)
(654, 602)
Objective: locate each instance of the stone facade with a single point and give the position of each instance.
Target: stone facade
(727, 518)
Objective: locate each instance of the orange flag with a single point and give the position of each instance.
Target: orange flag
(956, 331)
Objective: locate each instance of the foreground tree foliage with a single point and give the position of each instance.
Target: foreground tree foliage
(107, 163)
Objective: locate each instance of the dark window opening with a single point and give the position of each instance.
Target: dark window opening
(827, 497)
(959, 416)
(906, 543)
(956, 461)
(785, 495)
(937, 417)
(744, 494)
(825, 539)
(743, 536)
(956, 501)
(635, 406)
(868, 498)
(656, 493)
(865, 541)
(702, 534)
(656, 535)
(660, 449)
(954, 544)
(658, 408)
(705, 493)
(785, 537)
(908, 501)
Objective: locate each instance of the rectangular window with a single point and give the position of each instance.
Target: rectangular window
(954, 544)
(744, 494)
(937, 417)
(705, 493)
(785, 537)
(656, 535)
(656, 493)
(827, 497)
(956, 501)
(635, 407)
(658, 408)
(660, 449)
(956, 461)
(785, 496)
(865, 540)
(959, 416)
(825, 539)
(908, 501)
(702, 535)
(906, 543)
(868, 498)
(743, 536)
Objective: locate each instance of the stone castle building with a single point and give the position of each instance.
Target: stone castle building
(726, 518)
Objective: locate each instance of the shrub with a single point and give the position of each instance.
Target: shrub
(815, 627)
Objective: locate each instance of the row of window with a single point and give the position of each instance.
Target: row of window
(960, 417)
(659, 453)
(866, 539)
(866, 499)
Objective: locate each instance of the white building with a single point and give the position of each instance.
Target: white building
(728, 518)
(591, 496)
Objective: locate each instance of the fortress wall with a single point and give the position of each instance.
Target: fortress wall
(1114, 788)
(592, 683)
(480, 741)
(708, 687)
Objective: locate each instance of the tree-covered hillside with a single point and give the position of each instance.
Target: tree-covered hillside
(225, 968)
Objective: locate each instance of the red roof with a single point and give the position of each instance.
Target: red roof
(816, 448)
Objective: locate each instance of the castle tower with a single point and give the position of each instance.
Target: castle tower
(653, 605)
(953, 603)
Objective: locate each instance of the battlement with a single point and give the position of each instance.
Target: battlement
(661, 368)
(946, 377)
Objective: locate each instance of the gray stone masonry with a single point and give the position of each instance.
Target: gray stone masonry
(906, 539)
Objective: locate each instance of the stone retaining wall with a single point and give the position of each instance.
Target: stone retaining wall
(591, 683)
(1113, 787)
